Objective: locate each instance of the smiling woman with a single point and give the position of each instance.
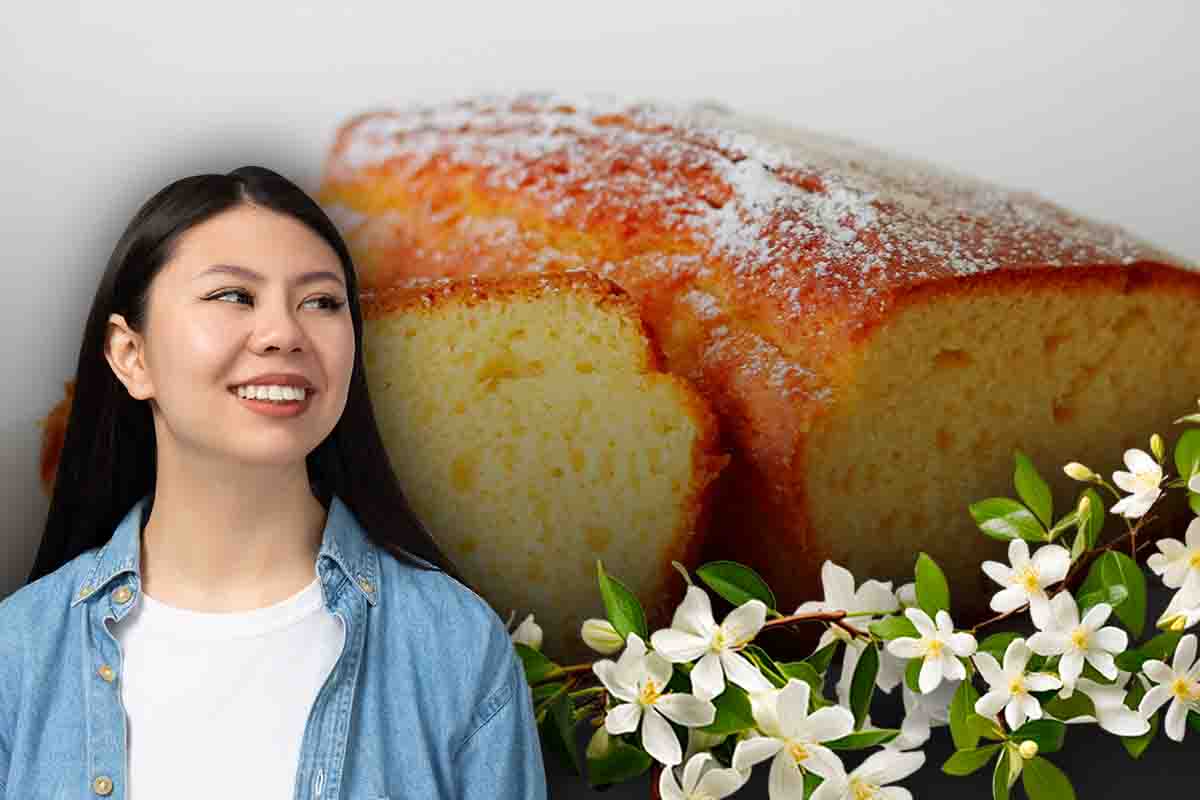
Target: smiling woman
(228, 549)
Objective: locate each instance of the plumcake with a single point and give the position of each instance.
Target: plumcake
(876, 334)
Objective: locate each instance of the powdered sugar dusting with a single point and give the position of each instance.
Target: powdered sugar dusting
(798, 215)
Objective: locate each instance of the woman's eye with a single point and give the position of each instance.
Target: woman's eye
(331, 303)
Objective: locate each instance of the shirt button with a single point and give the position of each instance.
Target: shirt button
(366, 585)
(122, 595)
(107, 673)
(102, 785)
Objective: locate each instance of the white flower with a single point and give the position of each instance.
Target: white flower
(703, 779)
(694, 634)
(1026, 580)
(1142, 480)
(938, 646)
(906, 595)
(1179, 563)
(601, 636)
(793, 737)
(922, 712)
(1194, 483)
(869, 779)
(1076, 641)
(1011, 686)
(527, 633)
(1182, 612)
(1179, 683)
(639, 678)
(1111, 712)
(840, 595)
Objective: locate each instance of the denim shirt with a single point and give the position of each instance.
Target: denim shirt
(427, 699)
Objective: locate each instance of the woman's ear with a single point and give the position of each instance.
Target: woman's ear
(124, 352)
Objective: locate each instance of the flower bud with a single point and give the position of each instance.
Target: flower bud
(1078, 472)
(1085, 505)
(528, 633)
(1156, 446)
(1028, 749)
(601, 636)
(599, 745)
(1175, 622)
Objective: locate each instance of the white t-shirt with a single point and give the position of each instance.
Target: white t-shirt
(217, 703)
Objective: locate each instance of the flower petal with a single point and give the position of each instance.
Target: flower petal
(1157, 671)
(659, 740)
(754, 749)
(962, 644)
(824, 761)
(1000, 573)
(708, 679)
(1140, 461)
(623, 718)
(990, 669)
(694, 615)
(744, 622)
(1049, 643)
(990, 704)
(1014, 714)
(1016, 656)
(1009, 599)
(721, 782)
(1051, 562)
(668, 787)
(686, 709)
(889, 766)
(785, 779)
(931, 675)
(1018, 554)
(657, 669)
(609, 674)
(679, 646)
(1153, 700)
(1103, 662)
(921, 622)
(838, 584)
(693, 769)
(739, 670)
(1122, 721)
(1185, 654)
(1042, 681)
(828, 723)
(1096, 616)
(1173, 724)
(905, 647)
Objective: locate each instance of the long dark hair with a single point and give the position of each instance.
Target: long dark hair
(108, 458)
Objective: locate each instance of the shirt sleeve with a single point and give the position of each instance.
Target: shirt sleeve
(502, 758)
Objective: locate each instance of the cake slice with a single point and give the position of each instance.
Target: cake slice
(533, 431)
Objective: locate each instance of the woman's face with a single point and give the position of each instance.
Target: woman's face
(208, 331)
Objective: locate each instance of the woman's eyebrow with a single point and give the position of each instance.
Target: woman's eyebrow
(251, 275)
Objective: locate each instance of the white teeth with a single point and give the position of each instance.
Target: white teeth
(277, 393)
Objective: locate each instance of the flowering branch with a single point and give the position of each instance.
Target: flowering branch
(740, 707)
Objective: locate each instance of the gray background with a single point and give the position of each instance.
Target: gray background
(1091, 104)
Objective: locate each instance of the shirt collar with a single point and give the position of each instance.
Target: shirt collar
(343, 541)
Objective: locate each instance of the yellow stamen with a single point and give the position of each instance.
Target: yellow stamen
(1029, 579)
(1017, 686)
(649, 693)
(1079, 638)
(934, 648)
(862, 791)
(796, 751)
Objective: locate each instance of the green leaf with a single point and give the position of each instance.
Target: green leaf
(811, 781)
(1032, 489)
(933, 593)
(734, 714)
(1193, 721)
(912, 673)
(560, 731)
(821, 658)
(861, 740)
(890, 628)
(624, 611)
(1004, 518)
(862, 685)
(997, 643)
(1162, 646)
(536, 665)
(1136, 745)
(1044, 781)
(765, 664)
(622, 762)
(984, 728)
(961, 708)
(736, 582)
(1118, 569)
(1187, 453)
(1113, 595)
(544, 690)
(1077, 705)
(1095, 517)
(965, 762)
(1188, 418)
(1048, 733)
(1000, 777)
(804, 671)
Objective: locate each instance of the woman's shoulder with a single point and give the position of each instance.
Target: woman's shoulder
(440, 606)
